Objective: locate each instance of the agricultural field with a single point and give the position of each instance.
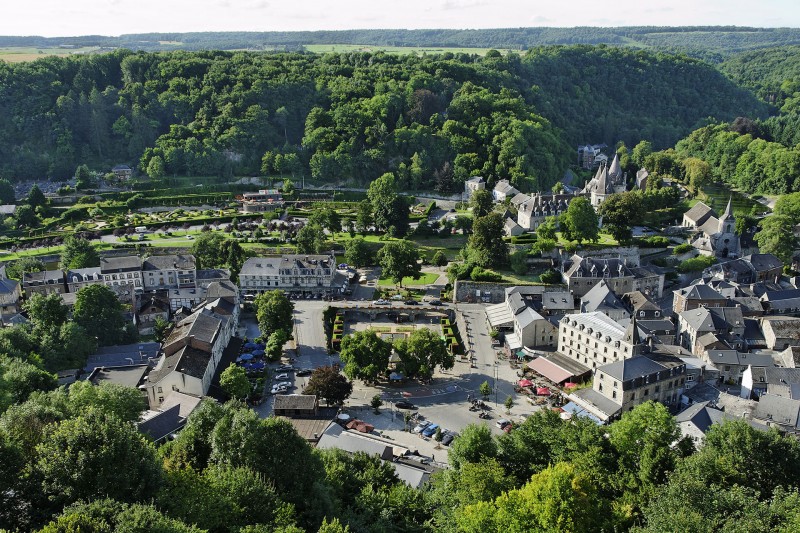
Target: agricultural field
(340, 48)
(20, 54)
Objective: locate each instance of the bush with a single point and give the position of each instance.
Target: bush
(481, 274)
(551, 277)
(696, 264)
(656, 241)
(682, 248)
(83, 200)
(430, 208)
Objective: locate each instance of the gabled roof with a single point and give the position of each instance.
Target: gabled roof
(638, 366)
(699, 213)
(639, 302)
(505, 187)
(699, 291)
(163, 424)
(8, 286)
(764, 262)
(599, 298)
(169, 262)
(779, 410)
(520, 198)
(782, 326)
(125, 263)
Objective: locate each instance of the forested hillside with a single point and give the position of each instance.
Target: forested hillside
(607, 94)
(433, 120)
(773, 74)
(710, 42)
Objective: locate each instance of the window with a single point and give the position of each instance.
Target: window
(691, 378)
(613, 394)
(160, 399)
(159, 389)
(600, 387)
(646, 392)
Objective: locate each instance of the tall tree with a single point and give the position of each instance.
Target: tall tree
(389, 209)
(486, 246)
(620, 212)
(399, 259)
(274, 312)
(481, 203)
(579, 221)
(7, 194)
(422, 352)
(358, 253)
(234, 382)
(99, 312)
(78, 253)
(475, 445)
(328, 384)
(36, 197)
(777, 237)
(365, 355)
(310, 239)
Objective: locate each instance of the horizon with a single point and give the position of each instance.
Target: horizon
(123, 17)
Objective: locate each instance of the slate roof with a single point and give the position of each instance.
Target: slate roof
(8, 286)
(187, 360)
(779, 410)
(702, 416)
(599, 298)
(163, 424)
(520, 198)
(169, 262)
(783, 326)
(203, 327)
(598, 268)
(699, 213)
(655, 326)
(128, 376)
(80, 275)
(699, 291)
(764, 262)
(505, 187)
(640, 365)
(125, 263)
(639, 302)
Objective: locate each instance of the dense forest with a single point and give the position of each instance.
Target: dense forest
(433, 120)
(709, 42)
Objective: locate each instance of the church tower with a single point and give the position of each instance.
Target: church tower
(727, 222)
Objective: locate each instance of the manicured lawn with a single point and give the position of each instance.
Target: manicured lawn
(604, 239)
(424, 279)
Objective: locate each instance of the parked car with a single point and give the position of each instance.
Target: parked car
(404, 404)
(421, 426)
(436, 302)
(502, 423)
(382, 302)
(304, 372)
(430, 430)
(397, 297)
(277, 389)
(410, 302)
(282, 377)
(448, 438)
(285, 368)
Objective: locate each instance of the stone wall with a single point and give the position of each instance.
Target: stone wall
(465, 291)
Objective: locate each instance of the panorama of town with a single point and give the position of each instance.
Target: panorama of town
(395, 353)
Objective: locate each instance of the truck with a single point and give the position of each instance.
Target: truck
(140, 229)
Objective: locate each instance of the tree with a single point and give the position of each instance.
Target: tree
(96, 456)
(274, 347)
(365, 355)
(398, 260)
(422, 352)
(161, 328)
(46, 313)
(697, 173)
(388, 207)
(620, 212)
(274, 312)
(439, 259)
(485, 389)
(288, 189)
(376, 403)
(328, 384)
(7, 194)
(98, 311)
(358, 253)
(579, 221)
(327, 218)
(310, 239)
(18, 379)
(486, 246)
(548, 228)
(109, 515)
(16, 269)
(475, 445)
(481, 203)
(207, 250)
(78, 253)
(776, 237)
(364, 216)
(155, 168)
(122, 402)
(36, 197)
(234, 382)
(25, 216)
(509, 403)
(73, 348)
(640, 153)
(519, 262)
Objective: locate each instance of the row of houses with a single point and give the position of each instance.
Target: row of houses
(293, 273)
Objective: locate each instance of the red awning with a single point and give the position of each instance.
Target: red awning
(525, 383)
(542, 391)
(550, 370)
(570, 385)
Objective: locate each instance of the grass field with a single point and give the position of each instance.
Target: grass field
(323, 48)
(14, 54)
(424, 279)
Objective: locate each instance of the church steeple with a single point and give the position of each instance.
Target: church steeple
(727, 222)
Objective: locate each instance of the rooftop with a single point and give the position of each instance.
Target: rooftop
(127, 376)
(169, 262)
(125, 263)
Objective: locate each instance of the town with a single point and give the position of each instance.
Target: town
(270, 288)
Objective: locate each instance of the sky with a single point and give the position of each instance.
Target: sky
(52, 18)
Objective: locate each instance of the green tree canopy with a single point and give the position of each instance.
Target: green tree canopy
(422, 352)
(274, 312)
(234, 382)
(78, 253)
(475, 445)
(579, 221)
(358, 253)
(399, 259)
(365, 355)
(310, 239)
(481, 203)
(99, 312)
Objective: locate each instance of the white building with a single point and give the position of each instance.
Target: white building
(593, 339)
(121, 271)
(169, 272)
(303, 274)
